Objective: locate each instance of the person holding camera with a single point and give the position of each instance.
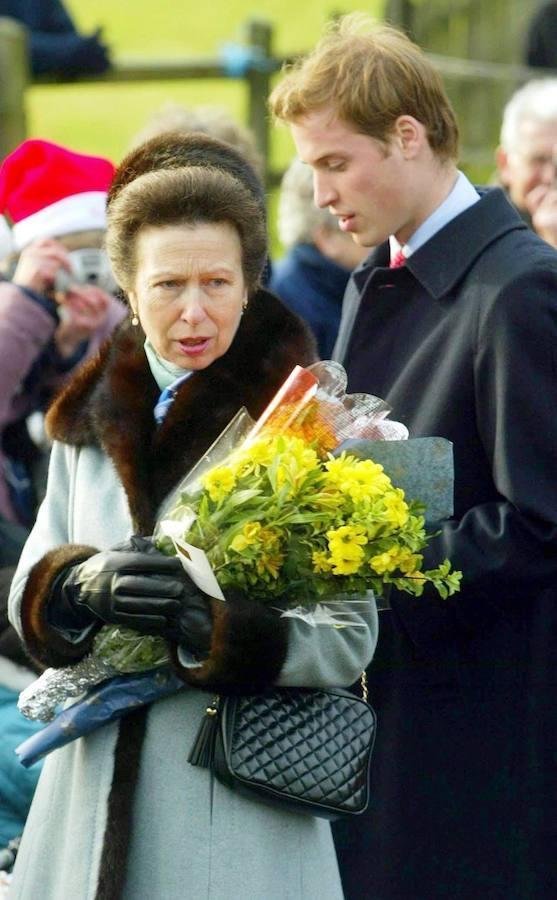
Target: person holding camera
(56, 303)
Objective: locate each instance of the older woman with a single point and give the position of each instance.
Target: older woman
(187, 244)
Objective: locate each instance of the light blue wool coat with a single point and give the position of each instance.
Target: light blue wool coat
(184, 843)
(180, 848)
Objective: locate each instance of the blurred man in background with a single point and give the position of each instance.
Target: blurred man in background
(526, 157)
(312, 277)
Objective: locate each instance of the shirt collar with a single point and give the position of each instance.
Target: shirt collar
(163, 371)
(462, 195)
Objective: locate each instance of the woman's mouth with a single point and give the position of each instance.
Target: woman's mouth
(194, 346)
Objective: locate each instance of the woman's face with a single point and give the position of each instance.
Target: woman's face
(189, 290)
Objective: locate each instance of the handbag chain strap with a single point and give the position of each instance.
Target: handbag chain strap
(363, 685)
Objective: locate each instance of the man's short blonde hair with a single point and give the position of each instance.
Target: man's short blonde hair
(370, 74)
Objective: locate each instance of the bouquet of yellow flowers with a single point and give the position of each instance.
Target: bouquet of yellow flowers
(278, 515)
(272, 511)
(285, 523)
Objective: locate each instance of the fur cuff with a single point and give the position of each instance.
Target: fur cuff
(43, 643)
(248, 648)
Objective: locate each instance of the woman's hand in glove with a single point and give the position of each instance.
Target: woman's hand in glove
(136, 586)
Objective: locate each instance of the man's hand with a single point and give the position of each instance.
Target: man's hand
(542, 206)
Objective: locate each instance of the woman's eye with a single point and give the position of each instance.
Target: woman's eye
(217, 282)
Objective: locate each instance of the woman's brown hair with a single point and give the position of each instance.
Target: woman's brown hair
(189, 195)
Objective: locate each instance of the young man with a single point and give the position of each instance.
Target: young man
(461, 340)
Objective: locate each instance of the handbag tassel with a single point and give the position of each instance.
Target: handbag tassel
(202, 752)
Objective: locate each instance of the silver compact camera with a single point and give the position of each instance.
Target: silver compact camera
(88, 266)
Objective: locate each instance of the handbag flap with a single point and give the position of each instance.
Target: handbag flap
(308, 745)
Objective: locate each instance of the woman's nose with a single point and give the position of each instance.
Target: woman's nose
(193, 307)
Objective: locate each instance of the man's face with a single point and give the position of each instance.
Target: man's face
(361, 180)
(531, 163)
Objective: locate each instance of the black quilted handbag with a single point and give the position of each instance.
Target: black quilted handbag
(308, 750)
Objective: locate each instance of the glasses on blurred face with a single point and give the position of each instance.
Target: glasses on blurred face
(540, 161)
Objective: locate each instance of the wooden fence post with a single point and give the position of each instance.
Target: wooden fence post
(401, 14)
(14, 76)
(258, 78)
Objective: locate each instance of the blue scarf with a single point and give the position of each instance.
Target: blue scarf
(168, 377)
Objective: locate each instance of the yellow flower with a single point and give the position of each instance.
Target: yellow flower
(359, 479)
(366, 480)
(346, 565)
(337, 467)
(305, 457)
(260, 453)
(408, 562)
(249, 535)
(383, 562)
(269, 564)
(321, 562)
(269, 537)
(396, 509)
(347, 541)
(394, 558)
(219, 483)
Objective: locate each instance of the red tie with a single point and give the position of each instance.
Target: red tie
(398, 260)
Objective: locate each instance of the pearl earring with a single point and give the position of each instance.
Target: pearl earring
(135, 320)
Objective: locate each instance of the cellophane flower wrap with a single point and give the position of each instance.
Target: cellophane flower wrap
(283, 518)
(276, 509)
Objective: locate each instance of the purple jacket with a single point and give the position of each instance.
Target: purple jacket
(26, 330)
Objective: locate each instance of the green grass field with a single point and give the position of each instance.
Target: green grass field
(103, 118)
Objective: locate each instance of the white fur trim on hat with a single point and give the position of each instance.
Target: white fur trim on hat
(6, 238)
(80, 212)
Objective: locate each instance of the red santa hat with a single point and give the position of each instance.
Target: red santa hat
(47, 191)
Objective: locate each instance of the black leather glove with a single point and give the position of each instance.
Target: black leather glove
(134, 585)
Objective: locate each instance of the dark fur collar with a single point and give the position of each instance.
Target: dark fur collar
(110, 402)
